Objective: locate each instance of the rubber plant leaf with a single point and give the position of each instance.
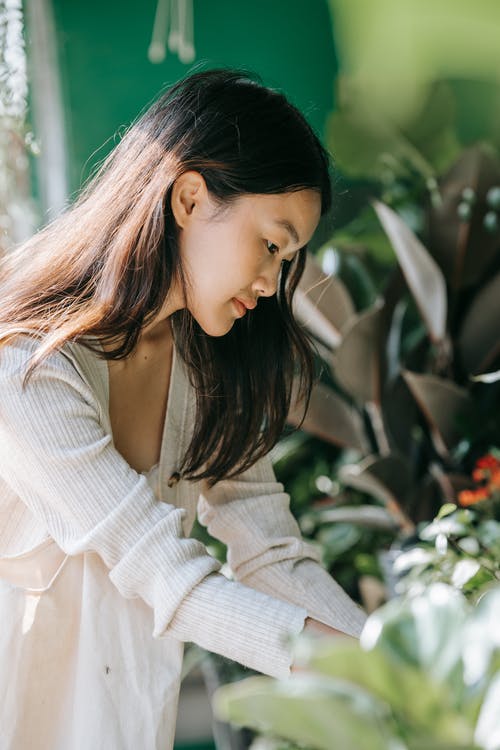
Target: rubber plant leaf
(442, 403)
(331, 418)
(422, 274)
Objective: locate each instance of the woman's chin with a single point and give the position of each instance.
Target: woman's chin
(216, 328)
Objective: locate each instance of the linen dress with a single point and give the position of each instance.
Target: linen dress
(100, 583)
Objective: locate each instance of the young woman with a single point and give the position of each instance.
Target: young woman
(146, 363)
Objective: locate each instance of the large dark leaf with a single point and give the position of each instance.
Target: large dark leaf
(442, 402)
(330, 418)
(425, 499)
(480, 335)
(422, 274)
(322, 303)
(388, 479)
(400, 414)
(357, 363)
(462, 249)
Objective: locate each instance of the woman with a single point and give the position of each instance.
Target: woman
(148, 350)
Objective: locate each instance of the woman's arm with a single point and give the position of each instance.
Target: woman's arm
(266, 551)
(55, 455)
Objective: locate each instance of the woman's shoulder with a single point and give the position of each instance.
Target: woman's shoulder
(72, 363)
(22, 345)
(17, 350)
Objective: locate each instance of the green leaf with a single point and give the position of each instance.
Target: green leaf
(482, 636)
(470, 545)
(405, 688)
(486, 377)
(446, 509)
(413, 557)
(312, 710)
(416, 631)
(361, 515)
(487, 733)
(463, 572)
(480, 580)
(488, 533)
(362, 233)
(448, 526)
(338, 537)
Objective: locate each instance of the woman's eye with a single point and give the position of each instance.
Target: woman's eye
(273, 249)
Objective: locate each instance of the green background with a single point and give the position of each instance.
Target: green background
(107, 78)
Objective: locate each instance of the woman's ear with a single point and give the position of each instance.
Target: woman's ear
(189, 195)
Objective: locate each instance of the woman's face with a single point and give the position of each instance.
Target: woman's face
(233, 257)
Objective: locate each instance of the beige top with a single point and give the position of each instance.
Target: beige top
(100, 583)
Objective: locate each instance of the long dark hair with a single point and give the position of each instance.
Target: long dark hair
(105, 266)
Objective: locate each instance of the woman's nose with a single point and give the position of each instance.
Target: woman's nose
(267, 283)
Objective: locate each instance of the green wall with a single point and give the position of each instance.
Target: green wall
(107, 78)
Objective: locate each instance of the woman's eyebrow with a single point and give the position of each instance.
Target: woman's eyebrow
(289, 228)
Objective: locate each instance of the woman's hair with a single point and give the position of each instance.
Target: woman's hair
(105, 266)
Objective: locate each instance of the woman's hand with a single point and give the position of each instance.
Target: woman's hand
(316, 628)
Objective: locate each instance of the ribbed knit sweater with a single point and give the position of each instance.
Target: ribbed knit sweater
(68, 499)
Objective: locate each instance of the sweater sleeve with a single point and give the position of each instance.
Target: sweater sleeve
(57, 457)
(251, 515)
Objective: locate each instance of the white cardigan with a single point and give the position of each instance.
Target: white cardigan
(68, 498)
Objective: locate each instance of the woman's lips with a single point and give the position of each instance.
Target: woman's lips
(240, 307)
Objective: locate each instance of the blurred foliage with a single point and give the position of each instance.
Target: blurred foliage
(17, 213)
(307, 466)
(402, 302)
(426, 675)
(394, 51)
(397, 401)
(461, 546)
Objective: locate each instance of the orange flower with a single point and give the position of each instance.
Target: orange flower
(470, 497)
(484, 467)
(489, 461)
(479, 474)
(495, 479)
(486, 475)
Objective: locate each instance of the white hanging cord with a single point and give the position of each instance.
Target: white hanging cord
(186, 42)
(174, 36)
(180, 36)
(157, 51)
